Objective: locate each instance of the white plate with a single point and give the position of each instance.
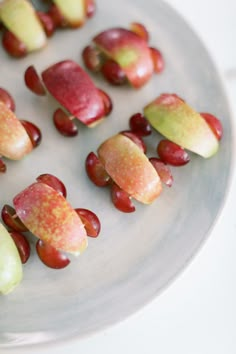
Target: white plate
(137, 255)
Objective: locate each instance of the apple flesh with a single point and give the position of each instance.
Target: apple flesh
(130, 168)
(73, 11)
(72, 87)
(14, 142)
(130, 51)
(48, 215)
(10, 263)
(20, 18)
(178, 122)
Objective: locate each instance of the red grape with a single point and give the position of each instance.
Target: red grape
(64, 123)
(53, 182)
(13, 45)
(7, 99)
(22, 245)
(50, 256)
(172, 153)
(113, 73)
(33, 81)
(96, 171)
(57, 17)
(46, 22)
(108, 106)
(136, 139)
(162, 170)
(140, 30)
(158, 60)
(33, 131)
(121, 200)
(11, 219)
(140, 125)
(90, 8)
(90, 220)
(214, 123)
(92, 58)
(3, 166)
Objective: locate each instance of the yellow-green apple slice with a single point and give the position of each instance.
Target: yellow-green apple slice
(178, 122)
(14, 140)
(48, 215)
(20, 18)
(130, 51)
(10, 263)
(72, 87)
(73, 11)
(130, 168)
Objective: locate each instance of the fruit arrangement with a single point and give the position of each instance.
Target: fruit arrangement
(26, 29)
(18, 137)
(124, 55)
(121, 161)
(40, 209)
(74, 90)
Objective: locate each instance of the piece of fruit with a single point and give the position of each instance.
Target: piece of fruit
(90, 220)
(137, 139)
(46, 22)
(64, 123)
(214, 123)
(20, 18)
(139, 125)
(172, 153)
(33, 132)
(140, 30)
(129, 51)
(92, 58)
(3, 166)
(33, 81)
(72, 87)
(74, 12)
(179, 123)
(7, 99)
(22, 245)
(130, 168)
(50, 256)
(113, 73)
(121, 200)
(12, 45)
(158, 60)
(11, 219)
(10, 263)
(15, 142)
(48, 215)
(163, 171)
(95, 171)
(53, 182)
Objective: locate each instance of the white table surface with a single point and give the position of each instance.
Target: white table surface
(197, 313)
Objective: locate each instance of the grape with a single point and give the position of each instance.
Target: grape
(92, 58)
(54, 182)
(214, 123)
(172, 153)
(33, 81)
(113, 73)
(158, 60)
(50, 256)
(136, 139)
(162, 170)
(11, 219)
(121, 200)
(96, 171)
(7, 99)
(13, 45)
(90, 220)
(64, 123)
(3, 166)
(140, 125)
(22, 245)
(46, 22)
(140, 30)
(33, 131)
(108, 106)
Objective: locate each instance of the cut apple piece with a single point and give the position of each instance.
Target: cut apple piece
(20, 18)
(14, 140)
(130, 168)
(10, 263)
(72, 87)
(179, 123)
(48, 215)
(73, 11)
(130, 51)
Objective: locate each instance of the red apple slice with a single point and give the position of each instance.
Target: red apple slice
(130, 51)
(14, 142)
(71, 86)
(48, 215)
(130, 168)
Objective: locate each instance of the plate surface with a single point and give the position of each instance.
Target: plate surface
(137, 255)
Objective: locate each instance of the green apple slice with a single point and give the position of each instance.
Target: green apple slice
(179, 123)
(10, 263)
(72, 10)
(20, 18)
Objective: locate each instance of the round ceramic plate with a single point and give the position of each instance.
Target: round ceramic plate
(138, 254)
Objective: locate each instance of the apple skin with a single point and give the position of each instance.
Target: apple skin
(48, 215)
(130, 51)
(11, 272)
(20, 18)
(178, 122)
(73, 11)
(72, 87)
(14, 140)
(130, 168)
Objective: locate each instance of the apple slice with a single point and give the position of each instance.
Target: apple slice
(73, 11)
(130, 51)
(10, 263)
(130, 168)
(72, 87)
(20, 18)
(179, 123)
(48, 215)
(15, 142)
